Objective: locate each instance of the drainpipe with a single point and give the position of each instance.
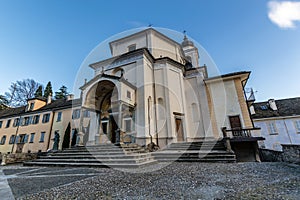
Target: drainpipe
(248, 108)
(51, 127)
(12, 149)
(287, 131)
(155, 110)
(149, 101)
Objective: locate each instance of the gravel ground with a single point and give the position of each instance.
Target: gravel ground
(174, 181)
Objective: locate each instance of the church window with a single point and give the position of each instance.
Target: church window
(189, 58)
(128, 94)
(161, 109)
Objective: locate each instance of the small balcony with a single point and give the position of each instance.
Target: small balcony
(242, 134)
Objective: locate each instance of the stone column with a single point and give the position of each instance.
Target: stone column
(118, 132)
(94, 127)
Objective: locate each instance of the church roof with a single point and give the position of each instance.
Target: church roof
(244, 75)
(285, 107)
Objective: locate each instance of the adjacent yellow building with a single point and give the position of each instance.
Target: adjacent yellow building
(31, 128)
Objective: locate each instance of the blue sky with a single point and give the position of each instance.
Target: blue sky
(49, 40)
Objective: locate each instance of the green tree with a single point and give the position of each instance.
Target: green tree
(66, 141)
(62, 93)
(48, 90)
(39, 92)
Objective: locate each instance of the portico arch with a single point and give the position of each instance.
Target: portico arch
(102, 100)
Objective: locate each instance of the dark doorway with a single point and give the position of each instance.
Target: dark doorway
(179, 130)
(114, 128)
(235, 122)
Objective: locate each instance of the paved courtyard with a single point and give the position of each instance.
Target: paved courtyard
(161, 181)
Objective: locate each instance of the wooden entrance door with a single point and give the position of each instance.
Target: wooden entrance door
(235, 122)
(179, 130)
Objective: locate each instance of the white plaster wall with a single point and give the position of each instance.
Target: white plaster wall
(287, 133)
(158, 46)
(175, 95)
(225, 102)
(196, 128)
(161, 109)
(162, 48)
(121, 48)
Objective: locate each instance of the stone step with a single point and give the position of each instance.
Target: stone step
(192, 152)
(227, 160)
(91, 150)
(195, 149)
(122, 156)
(205, 151)
(98, 156)
(104, 161)
(203, 145)
(159, 157)
(100, 165)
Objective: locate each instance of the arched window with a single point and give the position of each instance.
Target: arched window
(189, 58)
(195, 112)
(150, 107)
(161, 109)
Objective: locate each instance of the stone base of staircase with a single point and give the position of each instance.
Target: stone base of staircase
(200, 151)
(102, 155)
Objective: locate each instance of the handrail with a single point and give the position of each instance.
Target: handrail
(239, 132)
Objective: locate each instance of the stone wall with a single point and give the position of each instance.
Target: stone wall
(290, 153)
(268, 155)
(17, 157)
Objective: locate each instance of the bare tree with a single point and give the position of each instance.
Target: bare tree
(21, 91)
(3, 102)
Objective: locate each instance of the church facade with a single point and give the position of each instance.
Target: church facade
(153, 90)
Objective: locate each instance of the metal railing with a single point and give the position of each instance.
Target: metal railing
(240, 132)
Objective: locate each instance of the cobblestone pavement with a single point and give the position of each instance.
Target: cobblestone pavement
(174, 181)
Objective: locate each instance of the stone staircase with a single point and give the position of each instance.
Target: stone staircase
(102, 155)
(202, 151)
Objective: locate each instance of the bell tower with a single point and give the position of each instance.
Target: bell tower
(190, 51)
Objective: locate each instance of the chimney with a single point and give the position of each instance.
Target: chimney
(252, 110)
(49, 99)
(70, 97)
(272, 104)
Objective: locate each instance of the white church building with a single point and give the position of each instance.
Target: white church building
(153, 89)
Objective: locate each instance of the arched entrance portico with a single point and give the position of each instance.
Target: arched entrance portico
(108, 112)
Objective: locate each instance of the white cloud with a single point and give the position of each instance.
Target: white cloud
(285, 13)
